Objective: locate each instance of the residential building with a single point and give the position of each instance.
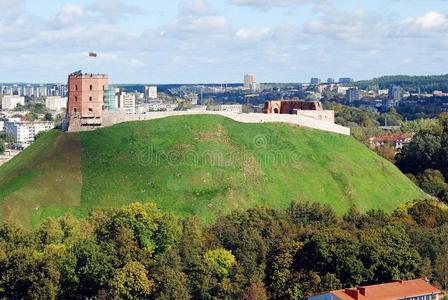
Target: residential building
(346, 80)
(55, 103)
(395, 140)
(249, 80)
(383, 92)
(86, 97)
(315, 81)
(151, 92)
(330, 80)
(352, 95)
(126, 102)
(10, 102)
(342, 90)
(25, 132)
(418, 289)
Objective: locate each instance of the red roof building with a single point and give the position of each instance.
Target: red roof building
(417, 289)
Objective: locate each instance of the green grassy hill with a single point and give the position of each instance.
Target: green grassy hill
(203, 165)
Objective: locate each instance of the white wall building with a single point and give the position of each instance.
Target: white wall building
(151, 92)
(235, 108)
(55, 103)
(249, 79)
(25, 132)
(9, 102)
(126, 103)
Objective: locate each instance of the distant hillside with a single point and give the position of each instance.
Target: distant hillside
(426, 84)
(203, 165)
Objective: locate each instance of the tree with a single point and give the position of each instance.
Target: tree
(2, 146)
(220, 262)
(48, 117)
(386, 151)
(433, 182)
(131, 282)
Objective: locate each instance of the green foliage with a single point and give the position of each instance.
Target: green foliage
(131, 282)
(424, 84)
(2, 146)
(259, 253)
(48, 117)
(219, 262)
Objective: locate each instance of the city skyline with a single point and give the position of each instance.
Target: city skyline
(198, 41)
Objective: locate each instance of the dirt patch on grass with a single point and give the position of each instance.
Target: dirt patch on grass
(56, 180)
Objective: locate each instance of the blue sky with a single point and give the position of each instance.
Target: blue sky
(193, 41)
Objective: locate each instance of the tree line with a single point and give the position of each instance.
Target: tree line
(139, 252)
(414, 84)
(425, 158)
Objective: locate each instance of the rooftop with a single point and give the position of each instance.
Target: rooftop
(394, 290)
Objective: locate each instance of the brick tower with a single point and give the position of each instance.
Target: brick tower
(85, 98)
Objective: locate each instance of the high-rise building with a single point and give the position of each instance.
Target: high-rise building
(10, 102)
(315, 81)
(126, 102)
(395, 93)
(111, 98)
(249, 79)
(330, 80)
(151, 92)
(86, 97)
(352, 95)
(345, 80)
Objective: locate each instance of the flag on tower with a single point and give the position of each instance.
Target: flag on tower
(92, 54)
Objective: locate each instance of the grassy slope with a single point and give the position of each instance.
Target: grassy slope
(202, 165)
(168, 161)
(47, 173)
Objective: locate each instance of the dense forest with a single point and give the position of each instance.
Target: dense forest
(413, 84)
(139, 252)
(425, 159)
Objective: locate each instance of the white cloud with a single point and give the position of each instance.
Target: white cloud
(194, 7)
(113, 9)
(268, 3)
(431, 20)
(69, 14)
(253, 34)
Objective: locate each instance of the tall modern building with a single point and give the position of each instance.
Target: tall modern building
(395, 93)
(249, 80)
(111, 98)
(126, 103)
(151, 92)
(315, 81)
(86, 97)
(330, 80)
(352, 95)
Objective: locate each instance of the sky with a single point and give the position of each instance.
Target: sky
(214, 41)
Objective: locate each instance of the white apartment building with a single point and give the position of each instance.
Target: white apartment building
(151, 92)
(126, 103)
(10, 102)
(55, 103)
(25, 132)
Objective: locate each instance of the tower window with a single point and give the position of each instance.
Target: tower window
(76, 87)
(75, 110)
(90, 98)
(91, 87)
(91, 110)
(76, 98)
